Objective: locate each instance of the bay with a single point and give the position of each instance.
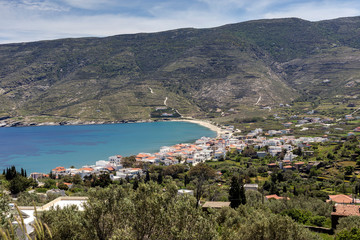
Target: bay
(40, 149)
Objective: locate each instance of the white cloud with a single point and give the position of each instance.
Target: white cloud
(250, 6)
(102, 25)
(42, 6)
(88, 4)
(32, 6)
(29, 20)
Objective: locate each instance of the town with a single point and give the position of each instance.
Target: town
(204, 149)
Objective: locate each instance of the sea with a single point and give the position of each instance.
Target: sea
(42, 148)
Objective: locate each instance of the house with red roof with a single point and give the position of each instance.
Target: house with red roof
(340, 199)
(276, 197)
(272, 165)
(58, 171)
(288, 167)
(85, 171)
(298, 165)
(343, 210)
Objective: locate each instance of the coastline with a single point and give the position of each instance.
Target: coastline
(58, 158)
(203, 123)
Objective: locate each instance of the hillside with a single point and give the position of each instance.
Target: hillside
(197, 71)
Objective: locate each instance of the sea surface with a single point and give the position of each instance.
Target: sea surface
(40, 149)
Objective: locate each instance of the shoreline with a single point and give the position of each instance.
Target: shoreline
(203, 123)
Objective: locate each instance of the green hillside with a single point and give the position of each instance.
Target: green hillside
(198, 71)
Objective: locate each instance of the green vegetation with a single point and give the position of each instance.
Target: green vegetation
(217, 73)
(270, 74)
(149, 207)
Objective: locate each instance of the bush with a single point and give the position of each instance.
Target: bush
(63, 186)
(28, 199)
(50, 183)
(318, 221)
(299, 215)
(348, 223)
(19, 184)
(353, 234)
(41, 190)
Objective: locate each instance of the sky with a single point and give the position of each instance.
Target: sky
(33, 20)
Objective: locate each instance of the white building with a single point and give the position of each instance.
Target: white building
(115, 160)
(28, 212)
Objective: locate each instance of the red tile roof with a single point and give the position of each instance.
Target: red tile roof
(274, 196)
(341, 198)
(86, 169)
(59, 169)
(346, 210)
(288, 167)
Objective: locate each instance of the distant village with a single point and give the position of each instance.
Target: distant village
(204, 149)
(265, 144)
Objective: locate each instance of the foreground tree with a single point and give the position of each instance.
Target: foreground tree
(247, 223)
(66, 223)
(4, 208)
(201, 173)
(20, 184)
(119, 212)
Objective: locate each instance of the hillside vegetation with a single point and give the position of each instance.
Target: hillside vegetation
(198, 71)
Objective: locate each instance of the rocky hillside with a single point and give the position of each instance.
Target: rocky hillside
(193, 71)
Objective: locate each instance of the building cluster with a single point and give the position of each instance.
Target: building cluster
(202, 150)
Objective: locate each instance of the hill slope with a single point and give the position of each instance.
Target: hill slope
(197, 71)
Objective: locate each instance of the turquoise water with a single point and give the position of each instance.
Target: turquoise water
(40, 149)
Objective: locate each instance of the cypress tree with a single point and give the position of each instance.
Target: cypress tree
(242, 193)
(7, 176)
(186, 180)
(234, 192)
(10, 173)
(295, 192)
(160, 178)
(147, 177)
(136, 183)
(13, 172)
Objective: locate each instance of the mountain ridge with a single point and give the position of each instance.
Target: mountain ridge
(199, 71)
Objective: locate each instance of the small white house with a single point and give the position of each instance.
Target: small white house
(250, 186)
(186, 191)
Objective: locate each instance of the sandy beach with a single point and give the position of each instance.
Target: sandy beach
(203, 123)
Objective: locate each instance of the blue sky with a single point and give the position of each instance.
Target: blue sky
(31, 20)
